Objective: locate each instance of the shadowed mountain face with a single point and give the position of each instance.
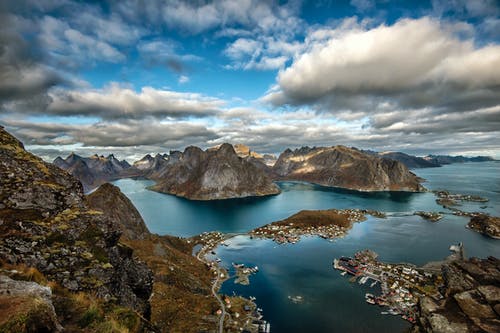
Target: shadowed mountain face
(217, 173)
(410, 161)
(93, 171)
(344, 167)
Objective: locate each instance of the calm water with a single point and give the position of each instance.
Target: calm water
(331, 303)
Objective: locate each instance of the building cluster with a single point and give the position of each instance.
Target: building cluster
(401, 284)
(288, 233)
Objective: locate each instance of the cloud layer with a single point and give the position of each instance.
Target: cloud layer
(136, 77)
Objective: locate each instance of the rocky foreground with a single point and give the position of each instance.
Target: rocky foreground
(471, 300)
(345, 167)
(88, 264)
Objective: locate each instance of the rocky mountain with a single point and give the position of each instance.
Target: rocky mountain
(472, 299)
(48, 232)
(344, 167)
(94, 170)
(446, 159)
(117, 207)
(217, 173)
(156, 167)
(410, 161)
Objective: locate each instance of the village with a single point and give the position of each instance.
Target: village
(329, 224)
(401, 285)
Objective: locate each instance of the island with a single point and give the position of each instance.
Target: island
(344, 167)
(328, 224)
(485, 224)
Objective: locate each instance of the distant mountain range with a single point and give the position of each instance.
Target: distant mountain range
(429, 161)
(94, 170)
(228, 171)
(445, 159)
(235, 171)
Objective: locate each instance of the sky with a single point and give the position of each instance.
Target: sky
(135, 77)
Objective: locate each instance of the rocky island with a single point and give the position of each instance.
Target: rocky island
(485, 224)
(217, 173)
(344, 167)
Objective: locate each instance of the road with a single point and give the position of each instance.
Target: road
(215, 294)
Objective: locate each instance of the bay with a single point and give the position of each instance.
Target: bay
(331, 303)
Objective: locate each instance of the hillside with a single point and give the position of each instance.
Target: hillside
(344, 167)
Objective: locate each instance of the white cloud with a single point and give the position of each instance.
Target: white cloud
(183, 79)
(73, 48)
(411, 56)
(120, 102)
(363, 5)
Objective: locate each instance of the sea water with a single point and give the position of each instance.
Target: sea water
(331, 303)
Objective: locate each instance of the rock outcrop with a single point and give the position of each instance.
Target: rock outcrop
(94, 170)
(120, 210)
(485, 224)
(344, 167)
(217, 173)
(46, 224)
(26, 307)
(472, 299)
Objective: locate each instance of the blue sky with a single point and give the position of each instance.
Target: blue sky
(134, 77)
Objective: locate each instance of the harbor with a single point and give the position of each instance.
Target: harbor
(401, 285)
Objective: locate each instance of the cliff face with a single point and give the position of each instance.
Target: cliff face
(45, 224)
(217, 173)
(180, 280)
(411, 162)
(93, 171)
(344, 167)
(472, 299)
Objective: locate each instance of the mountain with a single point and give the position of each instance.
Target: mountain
(93, 171)
(446, 159)
(155, 167)
(344, 167)
(217, 173)
(410, 161)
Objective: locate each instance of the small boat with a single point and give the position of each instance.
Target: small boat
(343, 273)
(384, 312)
